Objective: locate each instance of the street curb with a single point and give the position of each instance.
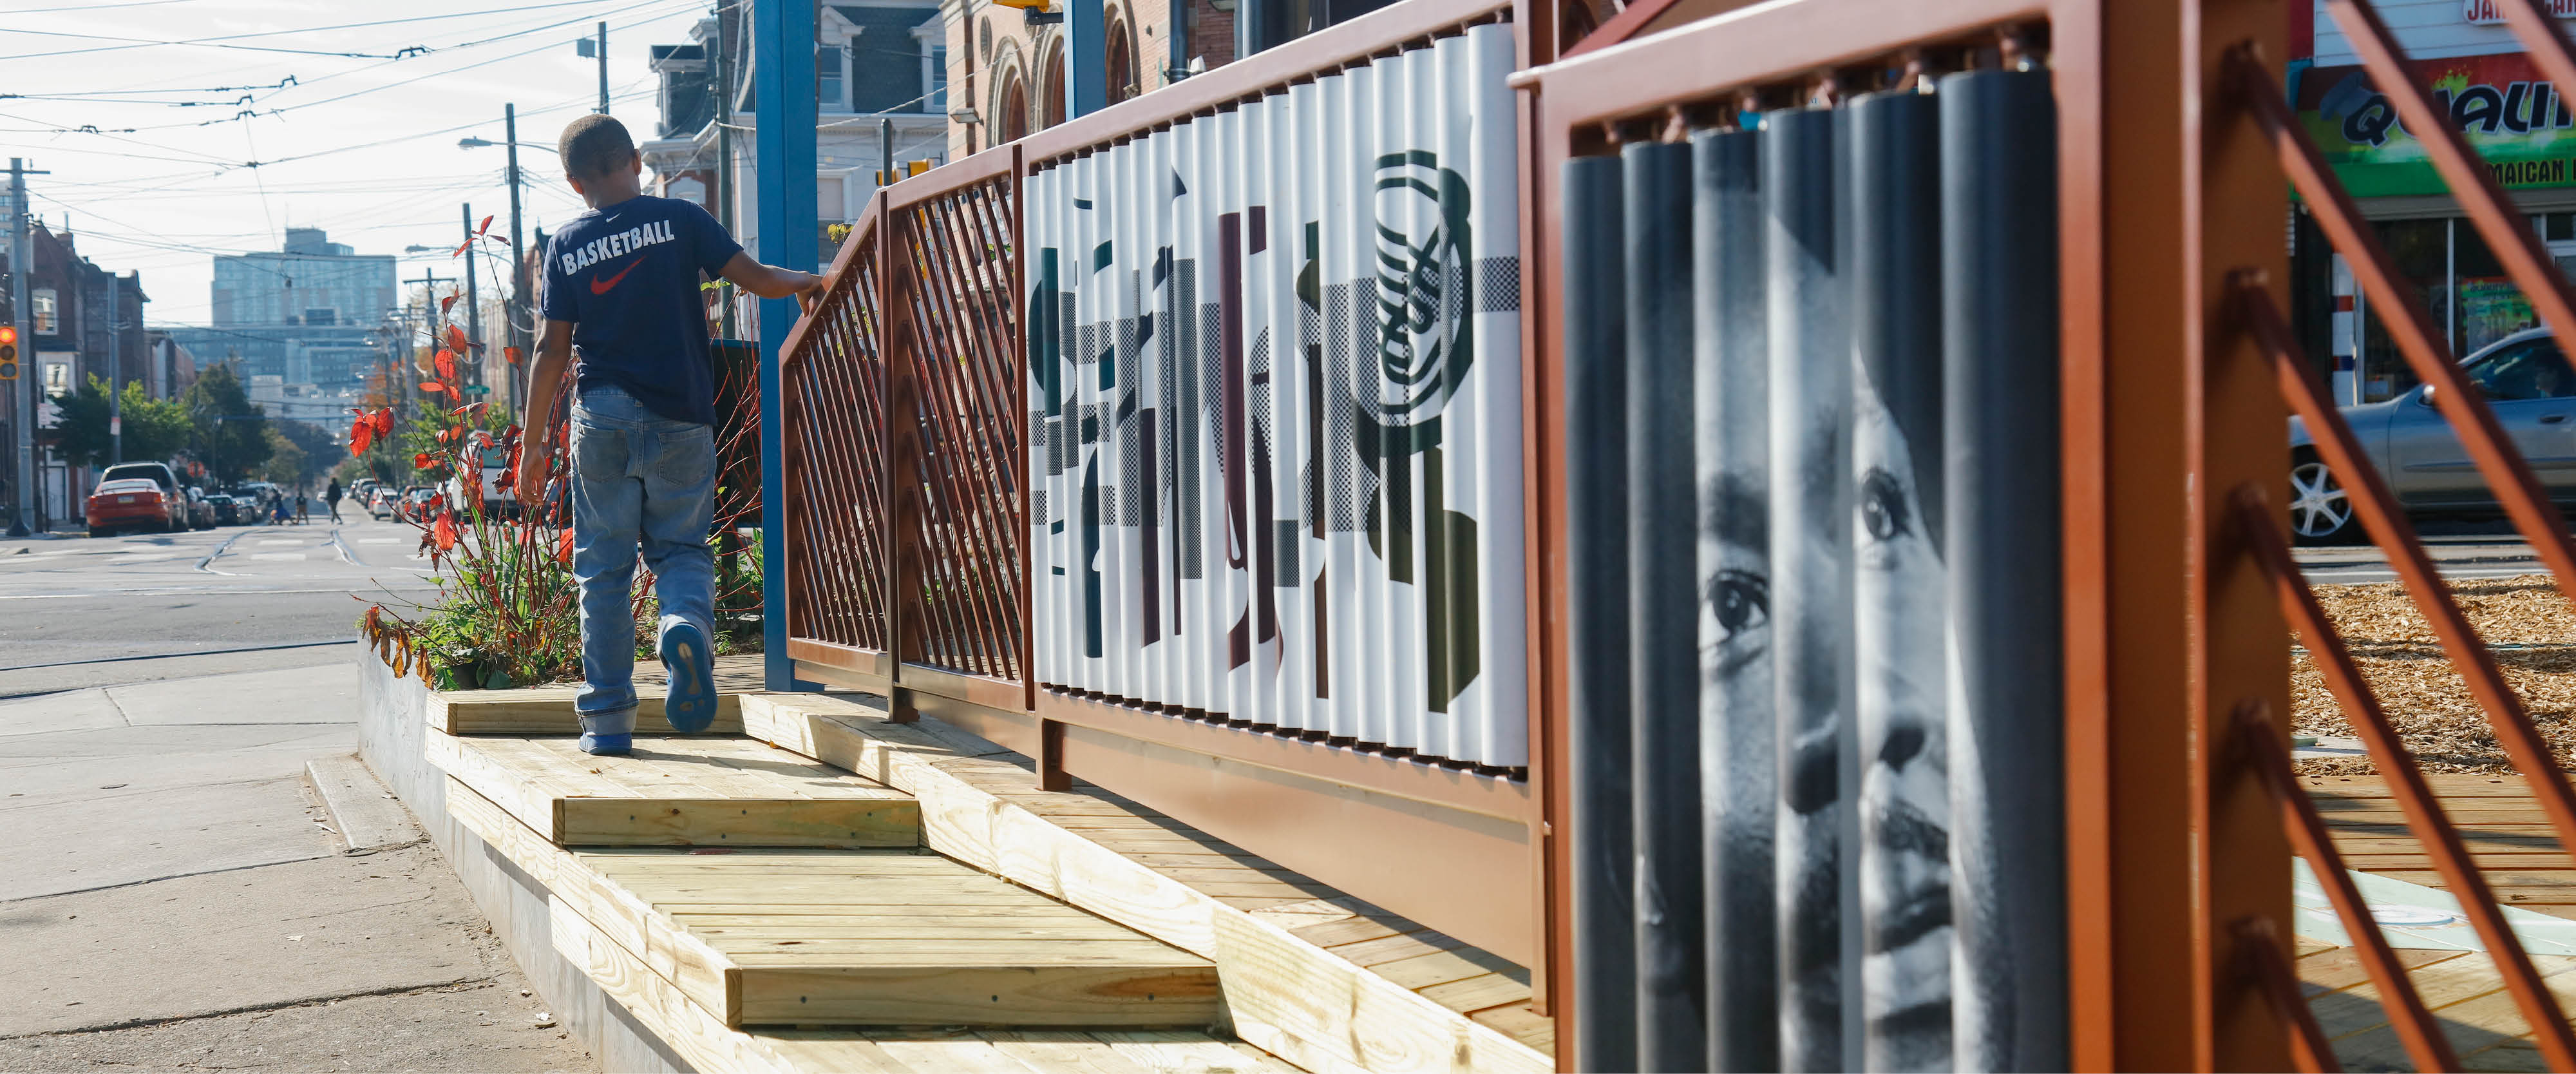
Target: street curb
(367, 817)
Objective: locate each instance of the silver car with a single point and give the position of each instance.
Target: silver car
(2532, 390)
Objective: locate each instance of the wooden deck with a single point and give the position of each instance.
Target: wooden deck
(832, 891)
(1315, 977)
(2513, 846)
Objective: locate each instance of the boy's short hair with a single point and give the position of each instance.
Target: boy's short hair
(595, 145)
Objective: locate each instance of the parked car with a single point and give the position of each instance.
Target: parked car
(380, 502)
(497, 501)
(2527, 383)
(418, 503)
(228, 511)
(201, 515)
(174, 501)
(131, 504)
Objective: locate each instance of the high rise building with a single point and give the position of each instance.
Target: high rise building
(311, 315)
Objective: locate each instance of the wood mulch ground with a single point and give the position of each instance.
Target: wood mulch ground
(2529, 626)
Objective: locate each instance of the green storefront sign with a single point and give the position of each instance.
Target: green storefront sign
(2515, 119)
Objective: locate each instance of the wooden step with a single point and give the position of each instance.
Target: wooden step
(679, 791)
(856, 937)
(714, 1048)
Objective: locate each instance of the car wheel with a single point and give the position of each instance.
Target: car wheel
(2320, 511)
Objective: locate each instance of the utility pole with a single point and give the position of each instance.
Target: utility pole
(405, 382)
(885, 152)
(519, 318)
(473, 307)
(116, 374)
(603, 68)
(22, 263)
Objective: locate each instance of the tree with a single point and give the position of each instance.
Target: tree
(314, 448)
(155, 429)
(229, 434)
(285, 465)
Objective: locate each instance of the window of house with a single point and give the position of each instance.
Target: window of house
(48, 313)
(58, 377)
(828, 79)
(937, 102)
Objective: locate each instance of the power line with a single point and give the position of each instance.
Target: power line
(139, 42)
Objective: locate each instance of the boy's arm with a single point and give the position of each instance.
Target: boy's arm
(769, 281)
(537, 425)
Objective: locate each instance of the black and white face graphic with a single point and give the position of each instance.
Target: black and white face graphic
(1901, 693)
(1735, 634)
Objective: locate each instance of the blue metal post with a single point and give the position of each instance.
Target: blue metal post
(1086, 58)
(782, 43)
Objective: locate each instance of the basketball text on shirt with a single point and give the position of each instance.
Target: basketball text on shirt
(617, 245)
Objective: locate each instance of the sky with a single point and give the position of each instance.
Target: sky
(135, 107)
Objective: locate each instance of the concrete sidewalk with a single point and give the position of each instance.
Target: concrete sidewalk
(177, 898)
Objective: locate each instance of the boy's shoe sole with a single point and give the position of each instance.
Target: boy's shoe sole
(591, 743)
(691, 705)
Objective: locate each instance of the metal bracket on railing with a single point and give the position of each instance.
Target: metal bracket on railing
(2260, 956)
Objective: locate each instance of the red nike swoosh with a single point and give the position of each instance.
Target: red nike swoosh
(601, 287)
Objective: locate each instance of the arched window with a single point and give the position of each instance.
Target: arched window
(987, 32)
(1051, 90)
(1120, 60)
(1012, 122)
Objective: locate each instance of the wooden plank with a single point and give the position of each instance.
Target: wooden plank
(1483, 990)
(2341, 967)
(1034, 994)
(947, 1053)
(2486, 1020)
(1183, 1052)
(549, 711)
(1422, 971)
(804, 822)
(1063, 1052)
(1517, 1020)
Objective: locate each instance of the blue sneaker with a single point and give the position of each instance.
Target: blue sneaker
(691, 706)
(612, 733)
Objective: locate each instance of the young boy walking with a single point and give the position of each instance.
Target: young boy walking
(621, 287)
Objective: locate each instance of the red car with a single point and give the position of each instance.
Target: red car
(133, 503)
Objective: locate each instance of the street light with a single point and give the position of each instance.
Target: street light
(486, 143)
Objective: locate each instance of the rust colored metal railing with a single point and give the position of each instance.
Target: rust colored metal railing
(2506, 472)
(835, 388)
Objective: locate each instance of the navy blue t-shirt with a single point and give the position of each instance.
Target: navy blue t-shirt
(626, 276)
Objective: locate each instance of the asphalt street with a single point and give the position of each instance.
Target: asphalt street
(77, 612)
(176, 897)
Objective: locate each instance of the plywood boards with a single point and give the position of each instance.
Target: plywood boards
(715, 1048)
(678, 791)
(858, 937)
(547, 710)
(1289, 994)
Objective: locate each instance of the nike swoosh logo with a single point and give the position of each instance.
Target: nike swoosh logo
(601, 287)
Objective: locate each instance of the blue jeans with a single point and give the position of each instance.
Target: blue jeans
(639, 480)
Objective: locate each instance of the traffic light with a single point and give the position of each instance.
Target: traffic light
(8, 352)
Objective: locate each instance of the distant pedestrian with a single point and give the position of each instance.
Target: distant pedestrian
(332, 496)
(622, 283)
(303, 508)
